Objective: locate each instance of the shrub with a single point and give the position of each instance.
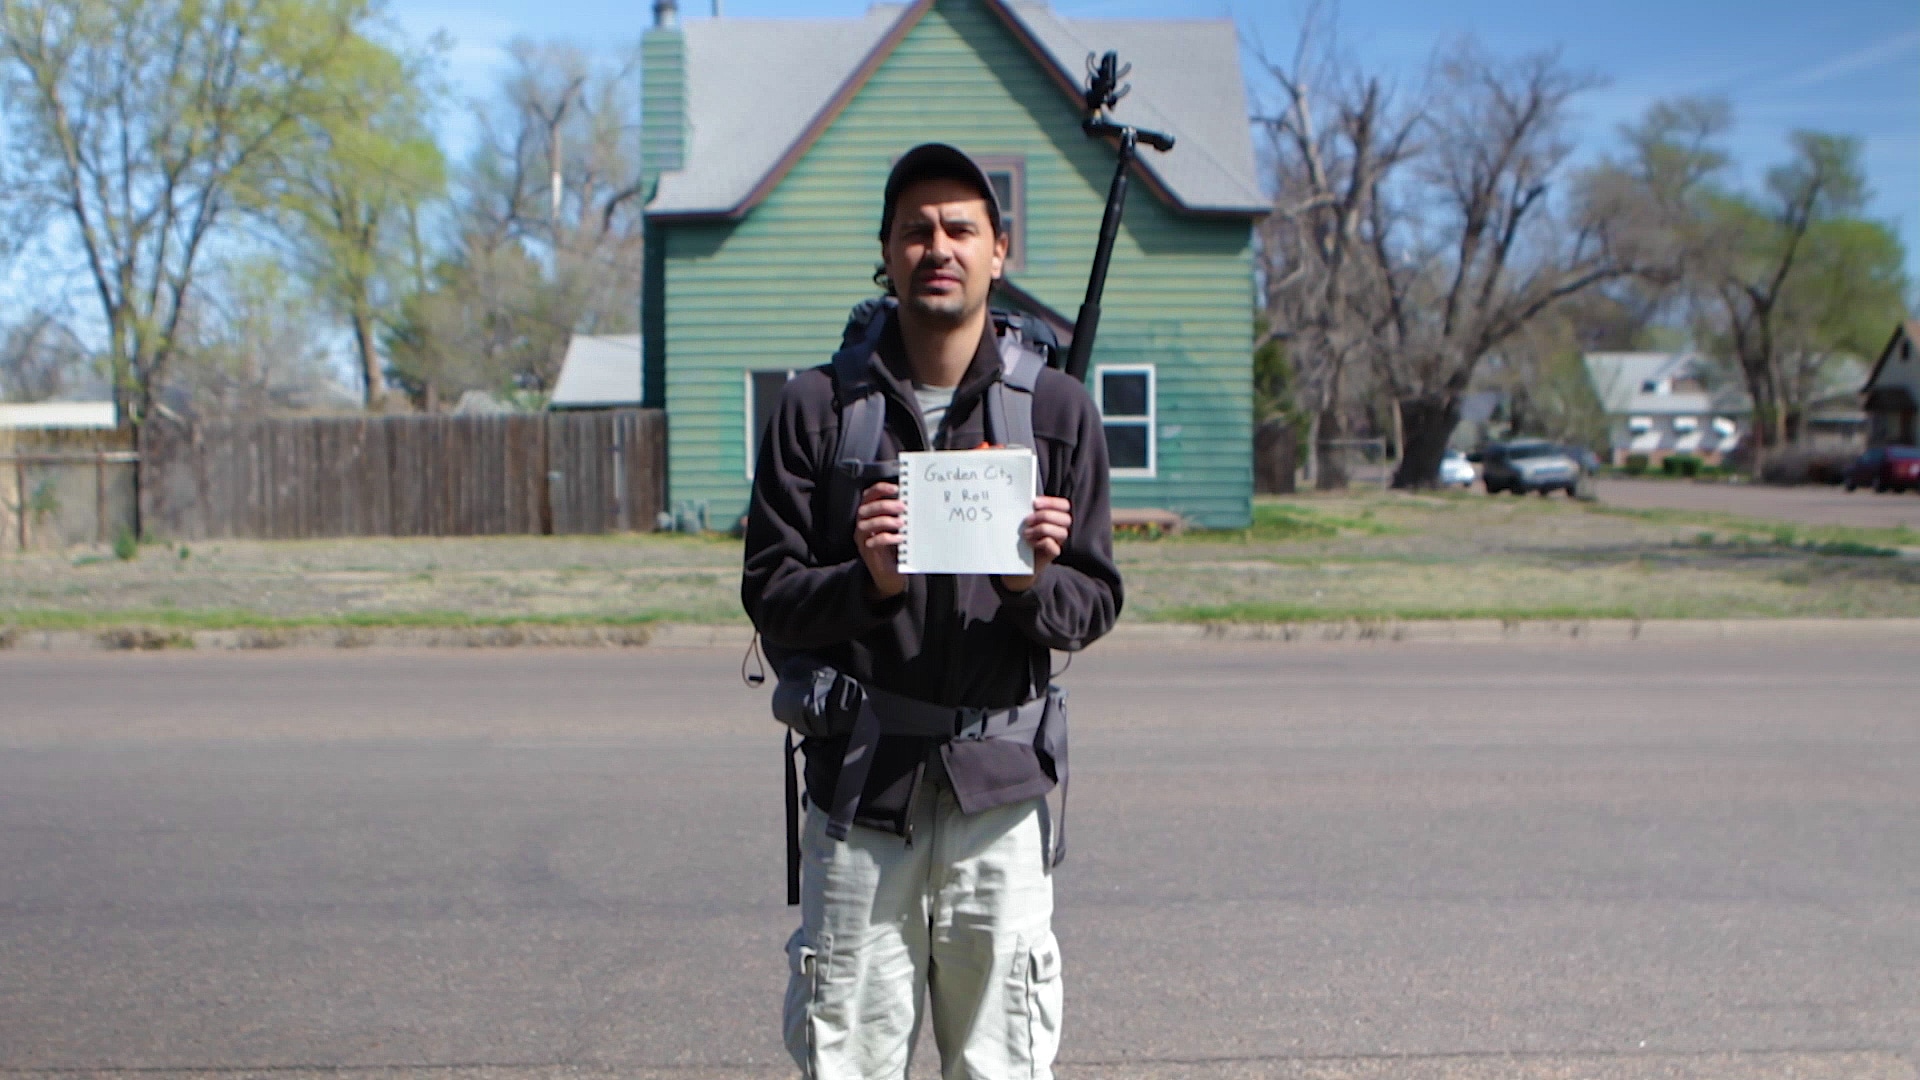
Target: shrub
(1636, 464)
(1680, 465)
(1851, 547)
(125, 544)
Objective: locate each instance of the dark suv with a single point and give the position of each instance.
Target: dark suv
(1529, 465)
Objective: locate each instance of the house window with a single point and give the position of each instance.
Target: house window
(763, 397)
(1008, 175)
(1651, 386)
(1640, 425)
(1126, 399)
(1724, 427)
(1686, 425)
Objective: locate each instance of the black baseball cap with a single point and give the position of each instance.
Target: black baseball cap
(936, 161)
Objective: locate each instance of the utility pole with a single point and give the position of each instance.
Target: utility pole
(554, 147)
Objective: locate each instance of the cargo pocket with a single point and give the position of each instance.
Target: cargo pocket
(1044, 999)
(806, 959)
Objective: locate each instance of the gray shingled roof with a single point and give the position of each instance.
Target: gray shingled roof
(599, 373)
(755, 85)
(1618, 376)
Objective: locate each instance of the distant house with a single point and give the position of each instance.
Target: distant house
(1834, 418)
(1665, 403)
(599, 372)
(59, 414)
(1893, 389)
(771, 139)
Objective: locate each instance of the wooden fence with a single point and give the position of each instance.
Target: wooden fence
(587, 472)
(62, 487)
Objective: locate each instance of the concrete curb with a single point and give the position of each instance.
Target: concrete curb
(1498, 631)
(137, 638)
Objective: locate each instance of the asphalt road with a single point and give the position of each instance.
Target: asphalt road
(1315, 861)
(1815, 504)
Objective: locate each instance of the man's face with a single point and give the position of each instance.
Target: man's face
(943, 252)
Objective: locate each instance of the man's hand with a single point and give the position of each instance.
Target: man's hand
(1045, 531)
(876, 534)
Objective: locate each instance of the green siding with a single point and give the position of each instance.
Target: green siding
(772, 291)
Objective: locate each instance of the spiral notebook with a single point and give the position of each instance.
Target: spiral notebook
(964, 510)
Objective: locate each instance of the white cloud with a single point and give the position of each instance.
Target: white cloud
(1860, 59)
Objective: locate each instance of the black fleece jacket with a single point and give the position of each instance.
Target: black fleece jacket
(949, 639)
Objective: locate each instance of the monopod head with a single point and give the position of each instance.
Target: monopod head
(1104, 89)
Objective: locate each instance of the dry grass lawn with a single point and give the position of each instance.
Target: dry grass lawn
(1373, 555)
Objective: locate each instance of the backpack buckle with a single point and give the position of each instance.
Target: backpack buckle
(870, 472)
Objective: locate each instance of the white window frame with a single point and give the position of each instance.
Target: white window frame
(1151, 419)
(1725, 427)
(747, 411)
(1686, 425)
(1639, 425)
(1015, 166)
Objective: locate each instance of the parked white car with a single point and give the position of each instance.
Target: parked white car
(1456, 470)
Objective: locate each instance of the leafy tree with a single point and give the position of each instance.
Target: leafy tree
(1272, 376)
(486, 318)
(1792, 277)
(352, 203)
(142, 126)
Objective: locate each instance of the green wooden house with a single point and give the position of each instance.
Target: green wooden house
(767, 143)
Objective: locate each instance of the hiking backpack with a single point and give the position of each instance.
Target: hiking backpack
(1026, 346)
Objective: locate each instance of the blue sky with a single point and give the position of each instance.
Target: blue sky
(1849, 66)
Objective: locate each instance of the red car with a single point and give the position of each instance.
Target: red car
(1886, 468)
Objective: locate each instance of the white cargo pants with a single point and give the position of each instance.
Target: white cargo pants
(962, 917)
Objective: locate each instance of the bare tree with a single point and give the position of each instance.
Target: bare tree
(249, 343)
(1335, 142)
(1481, 247)
(40, 359)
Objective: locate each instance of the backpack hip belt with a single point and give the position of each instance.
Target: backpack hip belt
(882, 713)
(841, 704)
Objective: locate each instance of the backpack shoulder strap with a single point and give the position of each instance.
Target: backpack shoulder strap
(863, 417)
(1010, 398)
(863, 411)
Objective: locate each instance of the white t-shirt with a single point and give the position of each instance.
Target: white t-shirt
(934, 403)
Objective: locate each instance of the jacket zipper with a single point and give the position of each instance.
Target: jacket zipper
(913, 799)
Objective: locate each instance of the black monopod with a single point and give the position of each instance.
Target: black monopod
(1104, 91)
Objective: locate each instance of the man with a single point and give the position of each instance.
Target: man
(922, 898)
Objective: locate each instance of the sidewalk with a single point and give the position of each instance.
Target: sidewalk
(1811, 505)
